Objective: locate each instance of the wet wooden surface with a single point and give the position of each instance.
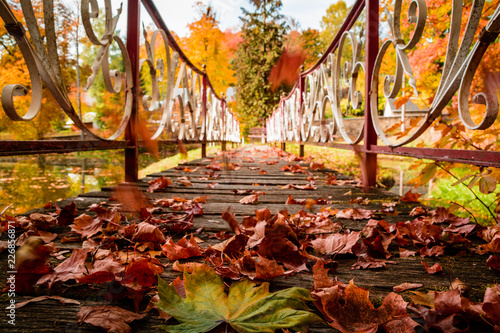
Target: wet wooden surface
(51, 316)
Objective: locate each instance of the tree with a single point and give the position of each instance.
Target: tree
(312, 46)
(14, 70)
(207, 45)
(263, 33)
(332, 21)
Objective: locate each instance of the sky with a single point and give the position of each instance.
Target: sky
(178, 13)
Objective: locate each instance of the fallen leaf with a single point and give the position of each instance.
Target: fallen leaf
(110, 318)
(70, 268)
(436, 268)
(146, 232)
(86, 225)
(349, 310)
(182, 250)
(410, 197)
(247, 307)
(232, 221)
(67, 214)
(60, 299)
(251, 199)
(405, 286)
(158, 184)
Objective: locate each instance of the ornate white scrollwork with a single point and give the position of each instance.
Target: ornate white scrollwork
(37, 60)
(112, 78)
(460, 65)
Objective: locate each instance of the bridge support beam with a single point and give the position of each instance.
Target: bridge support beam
(301, 150)
(283, 146)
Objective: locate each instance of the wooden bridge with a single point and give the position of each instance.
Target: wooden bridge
(246, 182)
(257, 212)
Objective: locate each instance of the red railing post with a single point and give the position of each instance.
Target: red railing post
(301, 101)
(133, 32)
(204, 114)
(369, 160)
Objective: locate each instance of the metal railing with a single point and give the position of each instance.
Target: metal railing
(189, 108)
(333, 84)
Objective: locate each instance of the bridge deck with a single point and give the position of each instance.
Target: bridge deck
(253, 175)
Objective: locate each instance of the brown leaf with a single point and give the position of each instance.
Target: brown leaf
(350, 310)
(436, 268)
(146, 232)
(320, 276)
(405, 286)
(62, 300)
(267, 269)
(316, 166)
(251, 199)
(70, 268)
(158, 184)
(110, 318)
(367, 262)
(493, 262)
(405, 254)
(337, 243)
(67, 214)
(86, 225)
(433, 252)
(231, 220)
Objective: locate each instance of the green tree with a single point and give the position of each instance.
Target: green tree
(263, 33)
(332, 21)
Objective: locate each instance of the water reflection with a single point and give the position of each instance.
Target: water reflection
(31, 182)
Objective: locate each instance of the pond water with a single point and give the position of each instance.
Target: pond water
(27, 182)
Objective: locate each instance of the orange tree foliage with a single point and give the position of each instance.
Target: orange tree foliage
(13, 70)
(207, 45)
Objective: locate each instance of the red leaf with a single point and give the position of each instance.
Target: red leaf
(143, 271)
(131, 197)
(287, 68)
(182, 250)
(410, 197)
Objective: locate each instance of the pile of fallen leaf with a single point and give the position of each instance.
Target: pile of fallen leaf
(125, 253)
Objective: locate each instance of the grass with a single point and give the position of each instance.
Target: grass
(442, 192)
(173, 161)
